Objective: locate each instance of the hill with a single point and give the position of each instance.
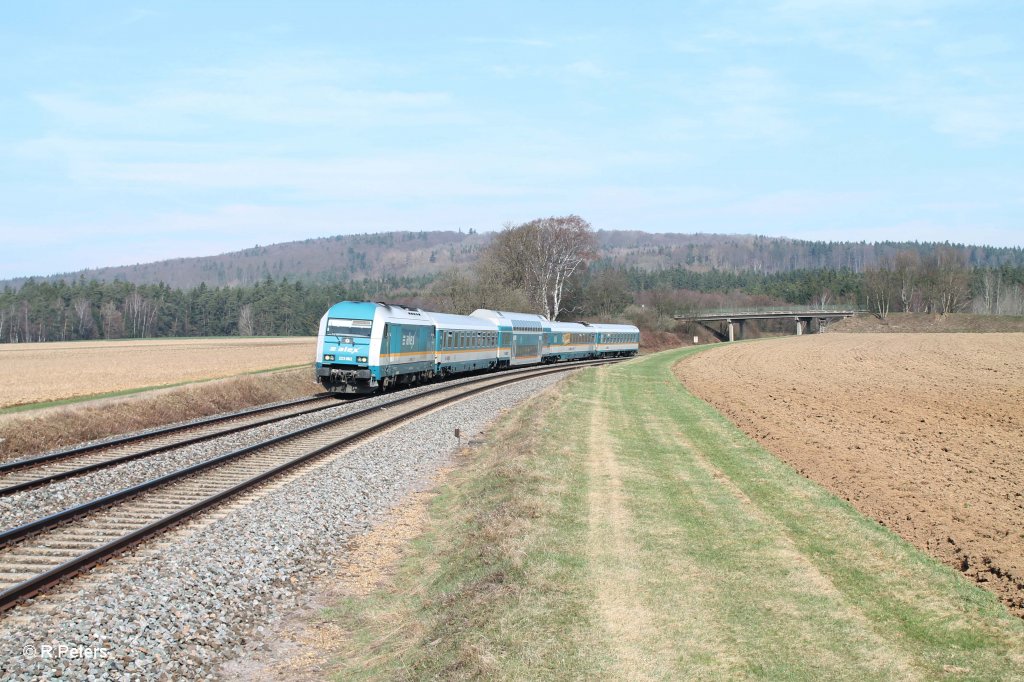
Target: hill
(346, 258)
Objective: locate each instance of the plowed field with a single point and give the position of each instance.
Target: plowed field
(924, 433)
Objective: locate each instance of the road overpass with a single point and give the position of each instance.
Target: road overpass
(803, 316)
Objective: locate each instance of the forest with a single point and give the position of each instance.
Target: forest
(89, 309)
(558, 266)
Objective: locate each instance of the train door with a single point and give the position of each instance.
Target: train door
(385, 347)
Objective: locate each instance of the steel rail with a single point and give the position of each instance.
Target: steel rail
(148, 452)
(39, 582)
(12, 534)
(162, 431)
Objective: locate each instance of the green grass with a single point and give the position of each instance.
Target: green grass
(624, 529)
(129, 391)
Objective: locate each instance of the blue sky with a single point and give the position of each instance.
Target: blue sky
(139, 131)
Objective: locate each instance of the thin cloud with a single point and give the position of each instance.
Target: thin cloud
(519, 42)
(585, 68)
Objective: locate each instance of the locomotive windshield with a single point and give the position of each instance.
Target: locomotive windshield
(340, 327)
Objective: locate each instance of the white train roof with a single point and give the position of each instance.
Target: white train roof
(504, 318)
(448, 321)
(614, 328)
(569, 327)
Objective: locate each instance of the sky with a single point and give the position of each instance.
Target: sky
(139, 131)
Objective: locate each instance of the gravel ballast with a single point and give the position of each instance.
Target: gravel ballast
(176, 612)
(30, 505)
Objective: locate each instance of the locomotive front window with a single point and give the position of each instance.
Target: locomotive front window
(340, 327)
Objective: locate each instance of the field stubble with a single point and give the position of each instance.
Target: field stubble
(42, 372)
(34, 372)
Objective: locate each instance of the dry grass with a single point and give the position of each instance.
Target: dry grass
(623, 529)
(56, 427)
(43, 372)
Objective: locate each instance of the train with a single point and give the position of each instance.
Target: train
(366, 347)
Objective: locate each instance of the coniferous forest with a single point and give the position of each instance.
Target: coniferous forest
(644, 281)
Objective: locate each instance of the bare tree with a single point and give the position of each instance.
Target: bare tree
(246, 320)
(991, 289)
(907, 267)
(950, 281)
(133, 313)
(83, 311)
(454, 291)
(113, 321)
(1011, 302)
(881, 285)
(540, 257)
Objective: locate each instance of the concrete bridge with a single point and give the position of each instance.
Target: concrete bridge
(804, 316)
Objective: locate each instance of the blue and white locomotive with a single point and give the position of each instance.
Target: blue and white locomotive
(365, 347)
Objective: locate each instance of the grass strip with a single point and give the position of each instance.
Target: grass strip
(622, 528)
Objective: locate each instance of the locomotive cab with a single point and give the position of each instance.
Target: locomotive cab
(345, 354)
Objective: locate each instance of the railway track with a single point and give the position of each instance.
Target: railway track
(41, 553)
(24, 474)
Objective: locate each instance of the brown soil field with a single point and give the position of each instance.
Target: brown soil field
(38, 372)
(922, 432)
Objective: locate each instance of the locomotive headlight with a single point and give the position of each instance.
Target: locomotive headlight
(328, 357)
(347, 339)
(361, 359)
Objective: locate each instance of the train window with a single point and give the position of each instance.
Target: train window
(340, 327)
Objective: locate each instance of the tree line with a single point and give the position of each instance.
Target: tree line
(59, 311)
(549, 266)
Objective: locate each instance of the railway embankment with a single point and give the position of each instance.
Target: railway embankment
(621, 528)
(177, 606)
(58, 426)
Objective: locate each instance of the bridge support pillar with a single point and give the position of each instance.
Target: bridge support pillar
(732, 335)
(799, 327)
